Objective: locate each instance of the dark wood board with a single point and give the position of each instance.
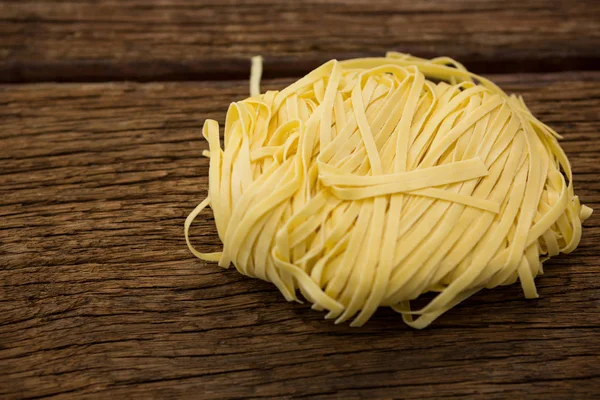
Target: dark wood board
(141, 40)
(100, 298)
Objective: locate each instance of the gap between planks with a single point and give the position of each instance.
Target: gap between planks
(238, 68)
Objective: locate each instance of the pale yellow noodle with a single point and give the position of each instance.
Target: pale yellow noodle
(372, 181)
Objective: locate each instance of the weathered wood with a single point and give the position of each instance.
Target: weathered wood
(45, 40)
(100, 298)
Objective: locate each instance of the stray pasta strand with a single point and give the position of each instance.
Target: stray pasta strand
(372, 181)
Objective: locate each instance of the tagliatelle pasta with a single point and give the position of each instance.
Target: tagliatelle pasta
(372, 181)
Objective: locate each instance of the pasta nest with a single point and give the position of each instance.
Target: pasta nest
(372, 181)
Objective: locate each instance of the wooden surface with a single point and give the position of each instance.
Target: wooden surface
(81, 40)
(99, 296)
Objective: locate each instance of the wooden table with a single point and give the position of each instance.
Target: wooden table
(101, 108)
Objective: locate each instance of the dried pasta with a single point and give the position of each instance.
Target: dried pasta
(372, 181)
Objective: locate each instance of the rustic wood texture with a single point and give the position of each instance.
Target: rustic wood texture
(100, 298)
(82, 40)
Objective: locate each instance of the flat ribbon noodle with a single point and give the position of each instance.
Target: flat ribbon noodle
(372, 181)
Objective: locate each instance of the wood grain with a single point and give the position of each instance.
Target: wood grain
(100, 298)
(82, 40)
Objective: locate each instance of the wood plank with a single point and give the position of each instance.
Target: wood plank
(141, 40)
(99, 296)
